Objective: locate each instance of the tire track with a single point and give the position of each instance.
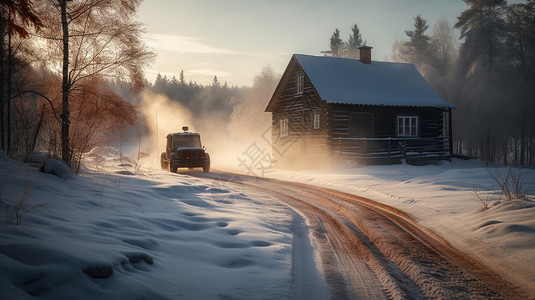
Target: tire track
(370, 250)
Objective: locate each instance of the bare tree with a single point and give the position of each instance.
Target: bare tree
(443, 45)
(88, 38)
(248, 120)
(400, 52)
(15, 19)
(98, 115)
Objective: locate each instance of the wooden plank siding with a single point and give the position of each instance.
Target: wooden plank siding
(303, 143)
(430, 119)
(306, 147)
(384, 145)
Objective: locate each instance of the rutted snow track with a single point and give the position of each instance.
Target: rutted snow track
(373, 251)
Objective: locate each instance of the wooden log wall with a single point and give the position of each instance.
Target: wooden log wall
(305, 145)
(430, 120)
(303, 141)
(384, 145)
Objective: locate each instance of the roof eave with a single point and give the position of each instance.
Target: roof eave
(446, 106)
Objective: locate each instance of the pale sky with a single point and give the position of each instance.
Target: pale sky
(235, 39)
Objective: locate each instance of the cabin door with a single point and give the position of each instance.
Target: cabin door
(361, 125)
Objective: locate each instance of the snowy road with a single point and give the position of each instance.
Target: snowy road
(369, 250)
(115, 232)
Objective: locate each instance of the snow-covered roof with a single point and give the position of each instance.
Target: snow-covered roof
(349, 81)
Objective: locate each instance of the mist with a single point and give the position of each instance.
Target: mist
(159, 116)
(488, 74)
(231, 121)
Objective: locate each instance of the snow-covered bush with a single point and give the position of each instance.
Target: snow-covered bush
(56, 167)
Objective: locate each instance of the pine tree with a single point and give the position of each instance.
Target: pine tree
(181, 79)
(482, 27)
(215, 82)
(520, 24)
(354, 42)
(161, 83)
(419, 43)
(337, 45)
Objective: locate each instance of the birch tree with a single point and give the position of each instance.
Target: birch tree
(87, 38)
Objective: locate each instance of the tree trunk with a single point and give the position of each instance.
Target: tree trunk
(523, 139)
(9, 80)
(41, 117)
(450, 132)
(530, 148)
(505, 158)
(65, 151)
(2, 82)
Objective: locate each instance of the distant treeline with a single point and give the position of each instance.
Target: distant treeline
(202, 101)
(224, 115)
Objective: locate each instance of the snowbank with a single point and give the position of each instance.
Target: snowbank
(155, 235)
(56, 167)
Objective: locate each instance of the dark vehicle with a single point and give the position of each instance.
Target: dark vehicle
(184, 150)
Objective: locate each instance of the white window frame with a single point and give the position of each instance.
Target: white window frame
(407, 126)
(300, 84)
(283, 127)
(316, 119)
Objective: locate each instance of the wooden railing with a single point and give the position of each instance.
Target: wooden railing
(390, 149)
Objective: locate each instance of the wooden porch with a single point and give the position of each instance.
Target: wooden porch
(391, 150)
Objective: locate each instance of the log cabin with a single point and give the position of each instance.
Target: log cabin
(327, 109)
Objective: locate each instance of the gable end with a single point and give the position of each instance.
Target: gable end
(287, 86)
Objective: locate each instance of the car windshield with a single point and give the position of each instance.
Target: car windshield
(193, 141)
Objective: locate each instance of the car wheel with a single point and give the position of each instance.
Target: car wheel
(206, 167)
(163, 163)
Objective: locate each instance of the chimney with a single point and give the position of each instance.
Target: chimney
(365, 54)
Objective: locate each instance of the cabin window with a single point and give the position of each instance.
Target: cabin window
(284, 127)
(316, 117)
(407, 126)
(300, 84)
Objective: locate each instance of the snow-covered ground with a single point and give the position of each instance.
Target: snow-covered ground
(158, 235)
(443, 198)
(117, 233)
